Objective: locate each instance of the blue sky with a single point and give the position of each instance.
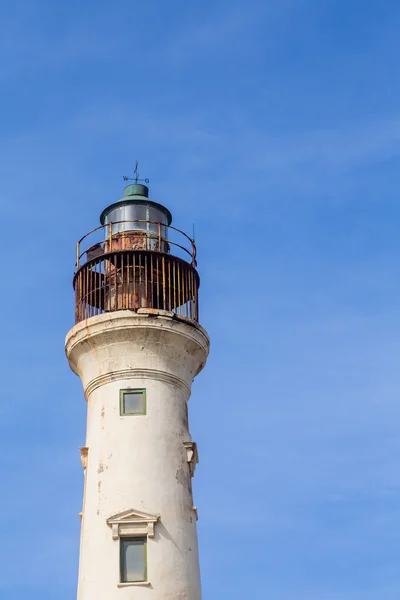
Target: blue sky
(274, 125)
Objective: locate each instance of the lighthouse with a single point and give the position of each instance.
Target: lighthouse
(137, 345)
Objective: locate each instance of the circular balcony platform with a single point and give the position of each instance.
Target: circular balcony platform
(133, 270)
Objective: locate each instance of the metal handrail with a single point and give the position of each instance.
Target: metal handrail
(148, 234)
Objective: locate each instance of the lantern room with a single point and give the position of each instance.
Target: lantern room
(136, 260)
(136, 213)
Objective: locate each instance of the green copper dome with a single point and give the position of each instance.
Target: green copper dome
(135, 194)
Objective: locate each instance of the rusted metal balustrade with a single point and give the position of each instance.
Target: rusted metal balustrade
(134, 269)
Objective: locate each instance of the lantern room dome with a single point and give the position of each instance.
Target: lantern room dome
(135, 205)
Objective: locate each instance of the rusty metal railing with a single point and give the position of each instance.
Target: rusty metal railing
(143, 238)
(134, 269)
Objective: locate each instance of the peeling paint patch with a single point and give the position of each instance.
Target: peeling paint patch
(182, 478)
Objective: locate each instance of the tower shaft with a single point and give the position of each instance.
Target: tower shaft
(141, 463)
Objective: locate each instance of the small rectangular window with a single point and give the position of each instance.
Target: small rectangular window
(133, 402)
(133, 559)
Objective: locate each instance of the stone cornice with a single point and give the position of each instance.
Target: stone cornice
(143, 318)
(123, 344)
(133, 522)
(136, 374)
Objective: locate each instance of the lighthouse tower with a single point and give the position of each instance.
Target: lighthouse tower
(137, 346)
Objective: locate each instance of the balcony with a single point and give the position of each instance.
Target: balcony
(129, 265)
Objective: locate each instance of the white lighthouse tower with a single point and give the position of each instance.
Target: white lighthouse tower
(137, 346)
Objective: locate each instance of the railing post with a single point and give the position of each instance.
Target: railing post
(110, 241)
(77, 254)
(159, 237)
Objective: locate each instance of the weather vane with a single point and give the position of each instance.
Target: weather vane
(136, 173)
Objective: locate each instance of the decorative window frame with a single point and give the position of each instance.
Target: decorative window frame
(133, 523)
(121, 402)
(192, 456)
(128, 524)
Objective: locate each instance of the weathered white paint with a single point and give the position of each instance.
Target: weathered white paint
(138, 463)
